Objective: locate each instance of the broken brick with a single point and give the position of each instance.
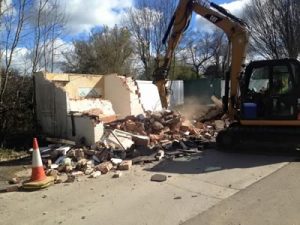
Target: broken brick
(79, 154)
(186, 126)
(199, 125)
(14, 180)
(155, 137)
(104, 167)
(53, 173)
(130, 126)
(12, 188)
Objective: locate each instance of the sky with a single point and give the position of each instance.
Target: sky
(83, 15)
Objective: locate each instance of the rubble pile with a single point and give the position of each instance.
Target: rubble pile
(135, 139)
(165, 126)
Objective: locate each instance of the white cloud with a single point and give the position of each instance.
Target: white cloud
(5, 5)
(234, 7)
(21, 59)
(85, 14)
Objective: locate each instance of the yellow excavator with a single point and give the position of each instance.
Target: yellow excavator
(262, 99)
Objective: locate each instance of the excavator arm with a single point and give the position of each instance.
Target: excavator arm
(234, 28)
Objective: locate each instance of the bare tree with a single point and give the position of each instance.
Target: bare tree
(48, 23)
(220, 53)
(287, 21)
(275, 25)
(1, 13)
(148, 22)
(201, 50)
(14, 23)
(197, 50)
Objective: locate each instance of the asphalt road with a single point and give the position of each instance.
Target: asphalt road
(194, 185)
(273, 200)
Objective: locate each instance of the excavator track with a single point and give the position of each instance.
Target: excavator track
(242, 137)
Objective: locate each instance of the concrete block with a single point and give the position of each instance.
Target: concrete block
(141, 140)
(116, 161)
(88, 171)
(95, 174)
(160, 154)
(125, 165)
(159, 178)
(77, 173)
(49, 163)
(117, 174)
(219, 124)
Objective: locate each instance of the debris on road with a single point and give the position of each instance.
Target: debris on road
(159, 178)
(125, 165)
(118, 174)
(134, 140)
(177, 198)
(95, 174)
(14, 180)
(13, 188)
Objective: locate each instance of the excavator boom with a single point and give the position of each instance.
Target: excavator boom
(234, 28)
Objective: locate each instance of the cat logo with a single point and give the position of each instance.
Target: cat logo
(213, 18)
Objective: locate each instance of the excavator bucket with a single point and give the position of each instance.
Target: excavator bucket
(163, 93)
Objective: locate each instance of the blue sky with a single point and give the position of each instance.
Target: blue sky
(86, 14)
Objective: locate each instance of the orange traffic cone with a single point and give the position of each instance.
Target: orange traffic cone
(38, 177)
(38, 172)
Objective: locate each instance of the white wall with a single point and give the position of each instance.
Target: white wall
(121, 92)
(149, 95)
(87, 104)
(85, 127)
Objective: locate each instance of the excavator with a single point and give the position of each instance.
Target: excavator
(261, 99)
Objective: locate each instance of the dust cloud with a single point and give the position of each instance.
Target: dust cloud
(192, 109)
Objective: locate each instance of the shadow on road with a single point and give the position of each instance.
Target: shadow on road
(17, 162)
(213, 160)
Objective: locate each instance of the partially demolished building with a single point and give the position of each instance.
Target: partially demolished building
(75, 106)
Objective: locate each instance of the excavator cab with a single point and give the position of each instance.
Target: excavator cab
(270, 90)
(269, 107)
